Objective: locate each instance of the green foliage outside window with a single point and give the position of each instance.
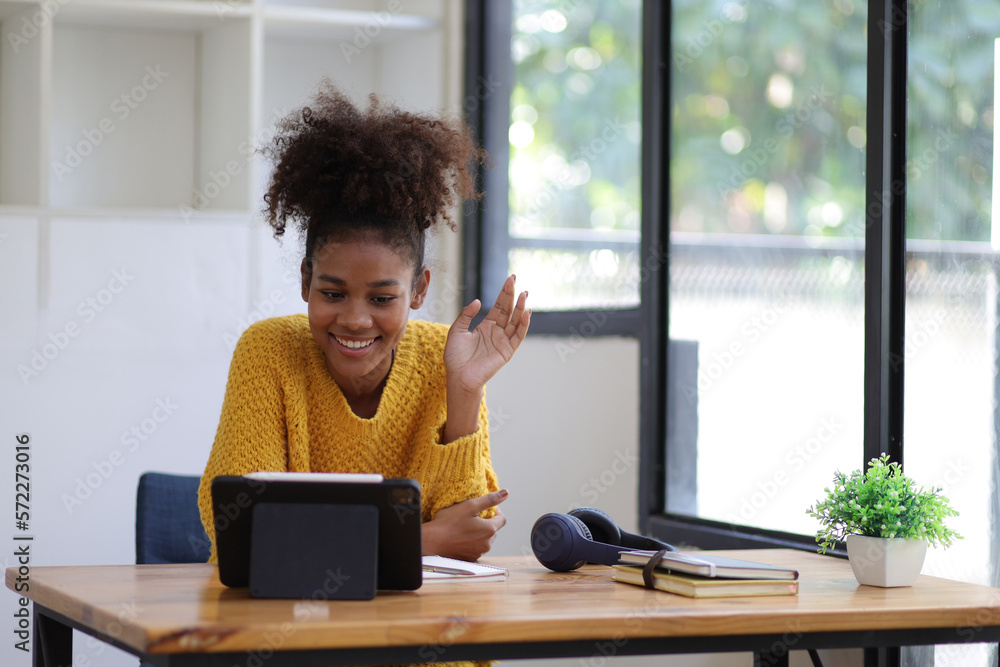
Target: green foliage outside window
(574, 160)
(769, 118)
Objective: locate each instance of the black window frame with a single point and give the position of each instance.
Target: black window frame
(489, 80)
(489, 75)
(885, 270)
(885, 247)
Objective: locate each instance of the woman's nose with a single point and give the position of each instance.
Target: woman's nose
(355, 316)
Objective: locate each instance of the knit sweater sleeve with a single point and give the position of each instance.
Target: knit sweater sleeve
(252, 433)
(456, 471)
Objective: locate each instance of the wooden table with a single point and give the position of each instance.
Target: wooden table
(180, 615)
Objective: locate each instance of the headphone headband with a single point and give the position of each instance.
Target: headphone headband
(563, 542)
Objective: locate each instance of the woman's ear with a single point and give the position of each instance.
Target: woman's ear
(306, 270)
(420, 284)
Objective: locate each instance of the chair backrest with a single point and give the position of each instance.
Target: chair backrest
(167, 523)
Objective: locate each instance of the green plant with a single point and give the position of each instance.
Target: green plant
(882, 502)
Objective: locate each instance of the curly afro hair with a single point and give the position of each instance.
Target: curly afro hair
(380, 173)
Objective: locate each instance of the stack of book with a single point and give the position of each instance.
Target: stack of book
(706, 575)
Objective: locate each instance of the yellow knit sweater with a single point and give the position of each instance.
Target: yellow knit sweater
(283, 411)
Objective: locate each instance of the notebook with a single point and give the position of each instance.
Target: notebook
(441, 569)
(703, 587)
(709, 565)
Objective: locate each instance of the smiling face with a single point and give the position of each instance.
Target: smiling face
(360, 294)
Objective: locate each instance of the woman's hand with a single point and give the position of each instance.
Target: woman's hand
(473, 357)
(458, 531)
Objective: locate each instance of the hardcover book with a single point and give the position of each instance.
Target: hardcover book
(704, 587)
(709, 565)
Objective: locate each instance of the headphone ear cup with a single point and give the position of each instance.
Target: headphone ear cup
(584, 529)
(564, 542)
(557, 539)
(602, 527)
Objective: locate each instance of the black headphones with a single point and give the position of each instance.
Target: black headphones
(563, 542)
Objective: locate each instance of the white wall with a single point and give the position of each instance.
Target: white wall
(564, 432)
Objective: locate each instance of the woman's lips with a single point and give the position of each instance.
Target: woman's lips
(355, 347)
(354, 344)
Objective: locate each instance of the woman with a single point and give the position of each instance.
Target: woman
(355, 386)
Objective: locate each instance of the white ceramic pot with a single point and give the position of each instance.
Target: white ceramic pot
(885, 561)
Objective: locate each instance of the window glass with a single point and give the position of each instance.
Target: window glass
(767, 260)
(950, 398)
(574, 134)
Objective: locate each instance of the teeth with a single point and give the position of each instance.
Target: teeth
(354, 344)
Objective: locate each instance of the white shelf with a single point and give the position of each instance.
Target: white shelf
(137, 214)
(153, 14)
(15, 7)
(356, 28)
(147, 105)
(25, 83)
(123, 127)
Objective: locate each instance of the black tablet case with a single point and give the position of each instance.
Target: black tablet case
(320, 566)
(396, 502)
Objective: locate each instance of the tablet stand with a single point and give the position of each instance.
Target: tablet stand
(314, 551)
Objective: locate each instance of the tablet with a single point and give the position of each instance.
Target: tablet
(397, 502)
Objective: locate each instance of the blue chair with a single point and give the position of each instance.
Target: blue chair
(167, 523)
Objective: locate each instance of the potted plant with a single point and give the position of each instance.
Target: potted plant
(886, 520)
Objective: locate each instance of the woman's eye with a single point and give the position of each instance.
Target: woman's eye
(383, 300)
(333, 296)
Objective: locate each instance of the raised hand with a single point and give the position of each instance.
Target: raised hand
(471, 358)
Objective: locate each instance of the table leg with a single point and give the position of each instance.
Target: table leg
(53, 645)
(888, 656)
(768, 659)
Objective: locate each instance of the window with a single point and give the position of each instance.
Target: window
(767, 258)
(951, 345)
(560, 120)
(817, 262)
(822, 174)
